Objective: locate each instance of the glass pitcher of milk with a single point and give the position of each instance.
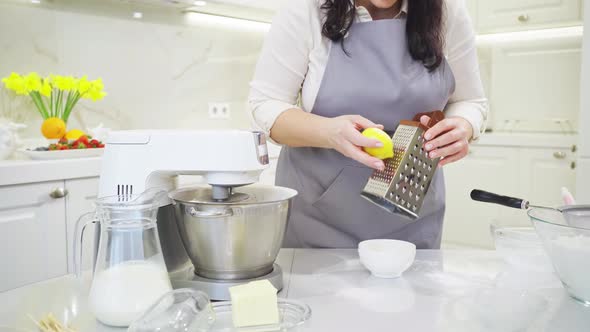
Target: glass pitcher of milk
(129, 272)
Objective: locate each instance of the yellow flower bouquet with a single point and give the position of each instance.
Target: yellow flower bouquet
(55, 97)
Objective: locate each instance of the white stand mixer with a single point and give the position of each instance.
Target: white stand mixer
(135, 161)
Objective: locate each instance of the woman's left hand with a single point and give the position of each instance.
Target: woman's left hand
(448, 139)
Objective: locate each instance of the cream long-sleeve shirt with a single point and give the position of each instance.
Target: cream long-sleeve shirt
(295, 55)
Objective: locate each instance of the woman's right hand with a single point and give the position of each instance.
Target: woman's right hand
(343, 135)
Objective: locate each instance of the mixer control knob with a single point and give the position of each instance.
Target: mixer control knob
(261, 148)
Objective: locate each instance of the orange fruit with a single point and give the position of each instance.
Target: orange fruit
(53, 128)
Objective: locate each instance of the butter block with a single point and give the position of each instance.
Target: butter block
(254, 304)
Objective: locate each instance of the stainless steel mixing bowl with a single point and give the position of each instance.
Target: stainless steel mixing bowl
(238, 238)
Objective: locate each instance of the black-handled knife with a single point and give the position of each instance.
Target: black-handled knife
(488, 197)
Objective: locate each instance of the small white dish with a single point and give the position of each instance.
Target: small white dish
(387, 258)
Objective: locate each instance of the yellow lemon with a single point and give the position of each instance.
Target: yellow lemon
(74, 134)
(384, 152)
(53, 128)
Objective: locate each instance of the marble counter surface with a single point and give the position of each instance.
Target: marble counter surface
(449, 290)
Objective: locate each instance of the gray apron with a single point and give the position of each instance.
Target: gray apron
(377, 79)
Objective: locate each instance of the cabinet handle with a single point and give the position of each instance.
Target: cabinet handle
(574, 148)
(523, 18)
(559, 155)
(573, 165)
(58, 193)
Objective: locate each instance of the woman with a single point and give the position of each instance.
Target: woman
(361, 64)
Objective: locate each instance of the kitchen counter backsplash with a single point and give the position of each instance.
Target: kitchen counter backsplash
(160, 71)
(162, 67)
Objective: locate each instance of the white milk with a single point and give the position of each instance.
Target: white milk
(571, 258)
(120, 294)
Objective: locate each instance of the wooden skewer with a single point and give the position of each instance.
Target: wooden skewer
(51, 324)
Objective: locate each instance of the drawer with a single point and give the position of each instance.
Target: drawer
(510, 15)
(32, 234)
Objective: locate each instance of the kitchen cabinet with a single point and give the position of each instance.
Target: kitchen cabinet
(534, 83)
(582, 181)
(533, 173)
(37, 225)
(32, 233)
(484, 55)
(488, 168)
(83, 193)
(513, 15)
(583, 162)
(547, 171)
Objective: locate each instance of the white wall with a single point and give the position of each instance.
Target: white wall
(159, 72)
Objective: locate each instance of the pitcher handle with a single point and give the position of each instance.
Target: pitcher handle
(84, 220)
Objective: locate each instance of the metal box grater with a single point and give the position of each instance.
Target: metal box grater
(403, 184)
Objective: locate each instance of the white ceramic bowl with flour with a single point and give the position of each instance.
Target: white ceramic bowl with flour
(566, 238)
(387, 258)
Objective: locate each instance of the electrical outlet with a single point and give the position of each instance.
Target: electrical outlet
(219, 111)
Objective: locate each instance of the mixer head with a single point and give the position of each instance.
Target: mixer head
(138, 160)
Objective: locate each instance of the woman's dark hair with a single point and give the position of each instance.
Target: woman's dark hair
(424, 27)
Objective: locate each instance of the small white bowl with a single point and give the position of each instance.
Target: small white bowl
(387, 258)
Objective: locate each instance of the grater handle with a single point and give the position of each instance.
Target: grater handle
(435, 117)
(487, 197)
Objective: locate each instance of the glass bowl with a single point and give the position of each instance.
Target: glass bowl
(566, 238)
(521, 248)
(292, 315)
(178, 310)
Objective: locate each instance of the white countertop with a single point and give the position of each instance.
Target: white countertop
(32, 171)
(438, 293)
